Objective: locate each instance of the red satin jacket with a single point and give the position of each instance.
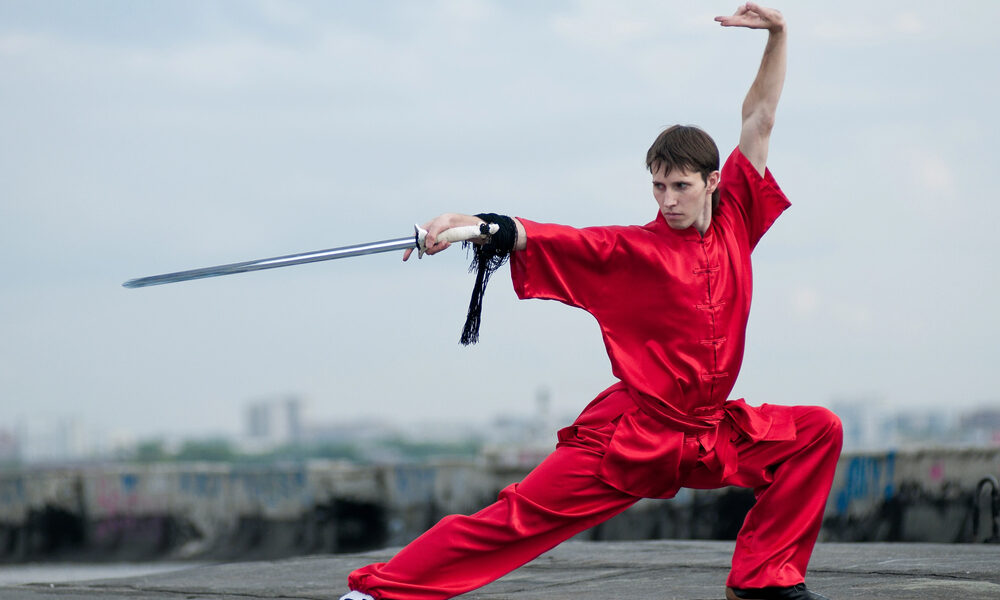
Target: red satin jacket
(672, 305)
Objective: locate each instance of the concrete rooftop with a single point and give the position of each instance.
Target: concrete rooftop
(660, 570)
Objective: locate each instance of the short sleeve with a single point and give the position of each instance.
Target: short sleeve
(756, 201)
(573, 266)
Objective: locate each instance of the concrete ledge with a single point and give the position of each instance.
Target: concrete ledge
(661, 570)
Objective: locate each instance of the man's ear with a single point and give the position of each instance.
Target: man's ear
(713, 181)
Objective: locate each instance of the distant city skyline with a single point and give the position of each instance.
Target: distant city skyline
(142, 138)
(283, 423)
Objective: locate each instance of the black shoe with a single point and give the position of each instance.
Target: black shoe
(795, 592)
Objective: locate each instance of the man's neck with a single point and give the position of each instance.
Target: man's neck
(703, 223)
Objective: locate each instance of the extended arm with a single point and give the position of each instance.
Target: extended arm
(761, 103)
(448, 220)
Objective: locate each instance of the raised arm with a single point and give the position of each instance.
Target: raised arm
(761, 103)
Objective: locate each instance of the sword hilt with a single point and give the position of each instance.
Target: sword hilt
(455, 234)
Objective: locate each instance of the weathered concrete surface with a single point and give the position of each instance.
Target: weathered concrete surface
(576, 570)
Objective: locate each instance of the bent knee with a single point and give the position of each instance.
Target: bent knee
(826, 422)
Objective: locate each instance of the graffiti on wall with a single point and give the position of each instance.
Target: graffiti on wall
(867, 479)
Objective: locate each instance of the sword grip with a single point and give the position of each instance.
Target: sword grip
(455, 234)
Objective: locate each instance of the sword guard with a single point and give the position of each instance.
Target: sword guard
(455, 234)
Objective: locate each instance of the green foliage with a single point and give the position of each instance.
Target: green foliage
(151, 451)
(414, 451)
(221, 450)
(299, 452)
(206, 450)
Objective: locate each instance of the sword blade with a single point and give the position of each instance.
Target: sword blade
(274, 263)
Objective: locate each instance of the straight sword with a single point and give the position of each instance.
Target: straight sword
(415, 241)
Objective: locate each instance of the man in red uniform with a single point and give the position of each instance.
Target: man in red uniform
(672, 299)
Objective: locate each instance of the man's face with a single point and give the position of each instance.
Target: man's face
(685, 199)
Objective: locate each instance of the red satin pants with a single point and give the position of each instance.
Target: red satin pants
(563, 497)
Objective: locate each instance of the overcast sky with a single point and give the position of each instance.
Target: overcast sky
(143, 137)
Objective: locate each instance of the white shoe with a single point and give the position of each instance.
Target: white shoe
(356, 595)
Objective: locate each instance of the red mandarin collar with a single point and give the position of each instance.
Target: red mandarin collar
(660, 226)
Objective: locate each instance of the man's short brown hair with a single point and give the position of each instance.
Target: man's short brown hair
(685, 147)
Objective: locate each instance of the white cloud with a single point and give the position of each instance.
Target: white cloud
(851, 314)
(930, 184)
(284, 13)
(805, 302)
(604, 24)
(808, 303)
(935, 173)
(874, 29)
(908, 23)
(843, 31)
(466, 11)
(16, 44)
(215, 64)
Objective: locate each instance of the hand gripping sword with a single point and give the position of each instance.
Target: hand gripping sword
(415, 241)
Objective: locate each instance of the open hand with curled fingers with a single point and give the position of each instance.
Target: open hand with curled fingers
(754, 16)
